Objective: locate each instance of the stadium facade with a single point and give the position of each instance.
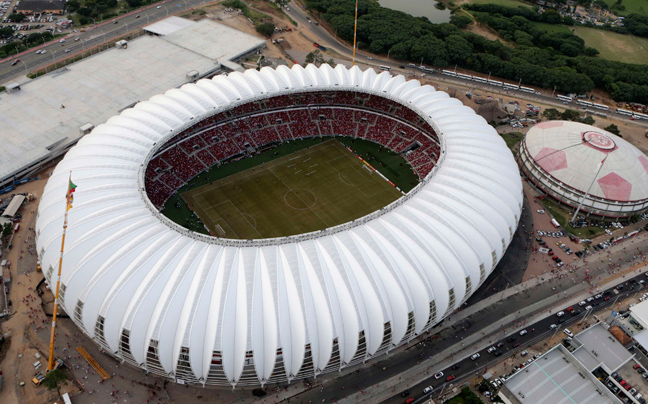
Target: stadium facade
(571, 160)
(213, 311)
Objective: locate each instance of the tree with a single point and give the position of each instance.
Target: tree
(613, 129)
(460, 21)
(54, 379)
(588, 120)
(6, 230)
(266, 29)
(73, 5)
(570, 115)
(17, 17)
(552, 114)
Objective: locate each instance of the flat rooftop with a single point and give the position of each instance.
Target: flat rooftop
(599, 347)
(200, 37)
(42, 119)
(556, 378)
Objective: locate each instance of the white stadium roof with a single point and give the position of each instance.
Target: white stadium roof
(572, 153)
(195, 300)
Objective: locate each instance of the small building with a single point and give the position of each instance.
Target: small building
(574, 372)
(29, 7)
(14, 206)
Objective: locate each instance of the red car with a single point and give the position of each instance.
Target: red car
(570, 309)
(450, 378)
(623, 382)
(409, 400)
(627, 386)
(636, 366)
(606, 298)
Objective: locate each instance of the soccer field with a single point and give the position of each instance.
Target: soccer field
(312, 189)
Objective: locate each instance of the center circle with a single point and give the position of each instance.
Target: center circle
(599, 140)
(300, 199)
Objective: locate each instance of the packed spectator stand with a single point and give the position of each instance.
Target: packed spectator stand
(247, 127)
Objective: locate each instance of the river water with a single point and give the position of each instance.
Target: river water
(419, 8)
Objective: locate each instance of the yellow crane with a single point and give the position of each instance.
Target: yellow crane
(68, 206)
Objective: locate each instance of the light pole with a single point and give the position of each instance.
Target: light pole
(24, 64)
(388, 52)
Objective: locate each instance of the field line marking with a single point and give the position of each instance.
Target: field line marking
(305, 204)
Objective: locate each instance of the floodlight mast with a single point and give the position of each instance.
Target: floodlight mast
(355, 31)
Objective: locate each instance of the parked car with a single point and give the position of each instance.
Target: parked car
(450, 378)
(475, 356)
(438, 375)
(569, 333)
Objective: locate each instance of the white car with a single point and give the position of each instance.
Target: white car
(44, 51)
(598, 296)
(553, 326)
(438, 375)
(475, 357)
(523, 332)
(581, 304)
(569, 333)
(540, 211)
(158, 7)
(67, 51)
(428, 389)
(38, 52)
(62, 40)
(560, 313)
(588, 308)
(491, 349)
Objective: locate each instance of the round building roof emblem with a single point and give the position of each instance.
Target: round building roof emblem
(598, 140)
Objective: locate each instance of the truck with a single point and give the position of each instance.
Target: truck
(38, 378)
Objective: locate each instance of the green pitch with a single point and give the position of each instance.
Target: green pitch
(311, 189)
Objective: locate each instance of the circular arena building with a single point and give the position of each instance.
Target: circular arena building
(206, 310)
(569, 160)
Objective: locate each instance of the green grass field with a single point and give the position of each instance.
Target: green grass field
(613, 46)
(631, 7)
(308, 190)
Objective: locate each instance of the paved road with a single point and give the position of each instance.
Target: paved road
(331, 41)
(29, 61)
(517, 343)
(403, 361)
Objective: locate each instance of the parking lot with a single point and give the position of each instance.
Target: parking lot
(626, 376)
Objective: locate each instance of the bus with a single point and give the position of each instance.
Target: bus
(495, 83)
(479, 79)
(527, 89)
(464, 76)
(623, 112)
(581, 102)
(564, 98)
(449, 73)
(509, 86)
(600, 106)
(385, 67)
(640, 116)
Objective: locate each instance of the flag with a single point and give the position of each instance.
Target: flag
(70, 194)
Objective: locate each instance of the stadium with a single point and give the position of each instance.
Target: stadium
(571, 160)
(254, 310)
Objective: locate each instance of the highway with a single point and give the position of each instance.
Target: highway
(77, 42)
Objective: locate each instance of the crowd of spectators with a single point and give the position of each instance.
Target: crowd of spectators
(249, 126)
